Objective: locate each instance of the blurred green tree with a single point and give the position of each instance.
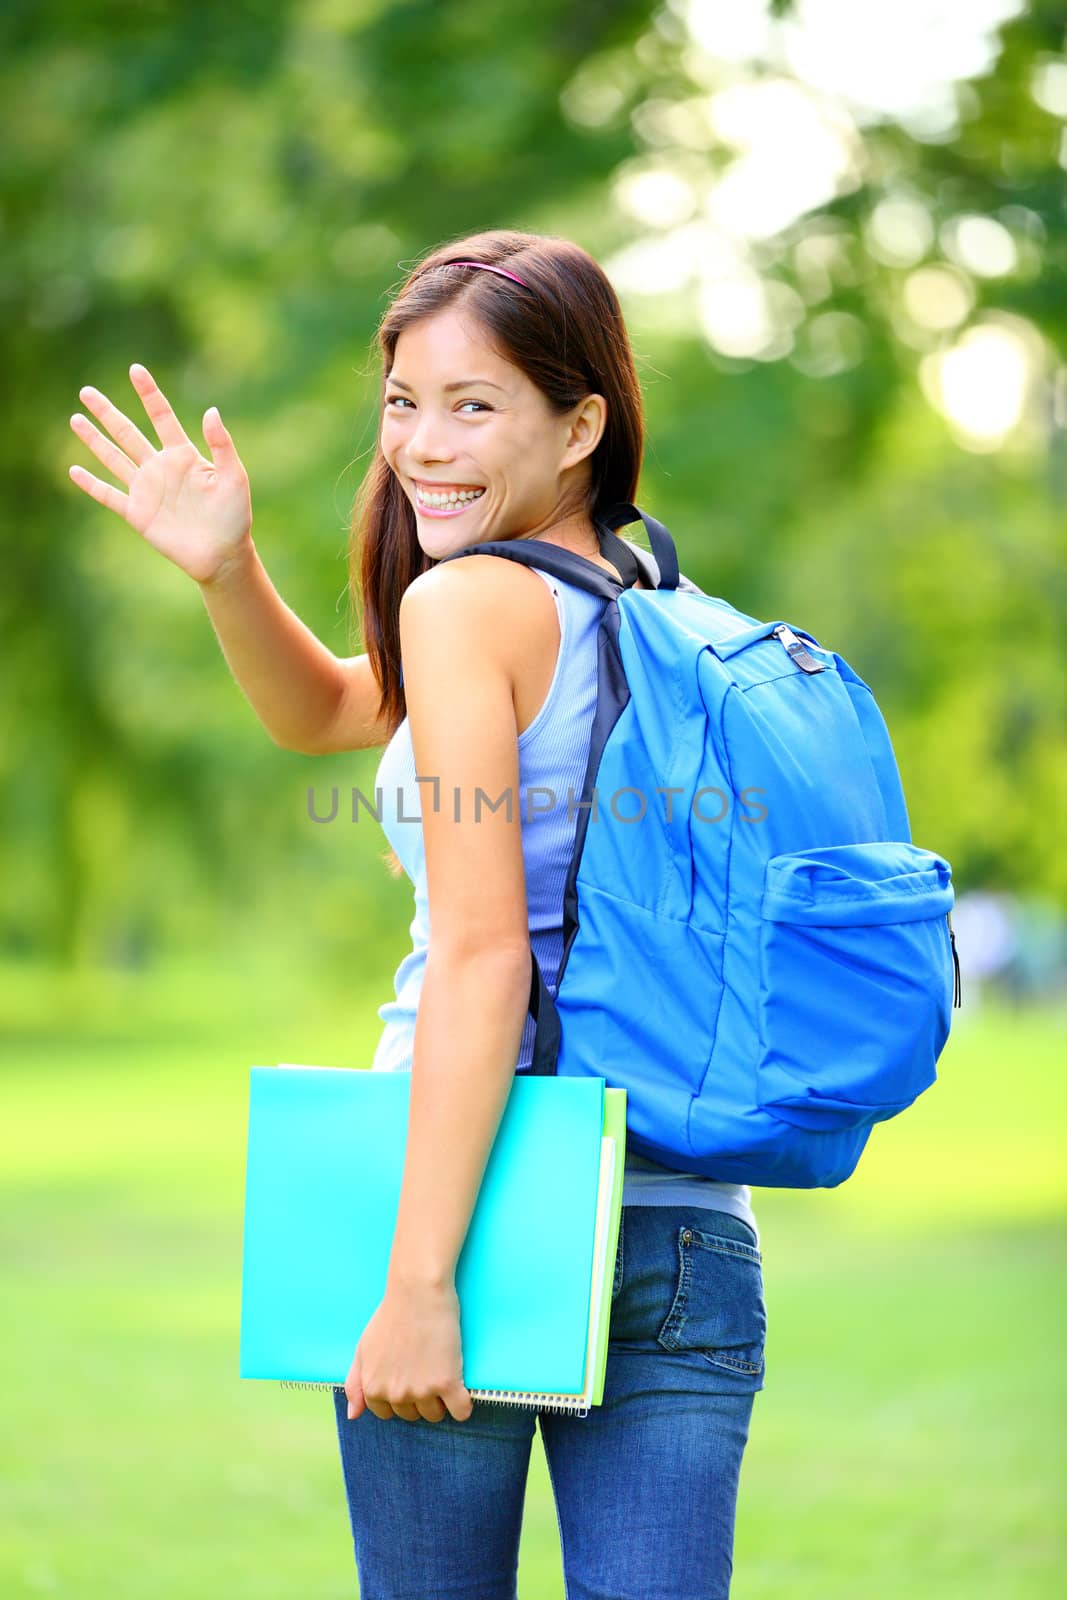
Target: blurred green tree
(228, 196)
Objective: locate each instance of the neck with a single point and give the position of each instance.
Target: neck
(575, 533)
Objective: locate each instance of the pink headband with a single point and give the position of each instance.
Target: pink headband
(488, 268)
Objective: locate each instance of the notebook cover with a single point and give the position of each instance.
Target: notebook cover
(615, 1128)
(322, 1186)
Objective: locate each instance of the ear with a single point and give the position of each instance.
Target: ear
(586, 428)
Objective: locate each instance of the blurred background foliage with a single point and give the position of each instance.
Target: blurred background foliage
(839, 236)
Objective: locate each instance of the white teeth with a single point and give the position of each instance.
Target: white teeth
(451, 498)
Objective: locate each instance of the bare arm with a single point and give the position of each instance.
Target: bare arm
(307, 698)
(455, 634)
(458, 623)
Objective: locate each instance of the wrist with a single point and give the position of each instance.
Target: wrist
(422, 1278)
(233, 568)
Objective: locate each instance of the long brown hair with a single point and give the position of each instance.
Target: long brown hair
(566, 333)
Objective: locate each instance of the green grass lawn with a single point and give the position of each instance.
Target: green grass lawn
(909, 1440)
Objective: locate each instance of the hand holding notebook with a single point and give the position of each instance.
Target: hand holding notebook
(414, 1334)
(325, 1163)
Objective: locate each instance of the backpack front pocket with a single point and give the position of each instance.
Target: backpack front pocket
(856, 975)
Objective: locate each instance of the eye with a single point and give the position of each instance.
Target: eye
(391, 399)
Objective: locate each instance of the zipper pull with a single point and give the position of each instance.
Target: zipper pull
(797, 649)
(956, 991)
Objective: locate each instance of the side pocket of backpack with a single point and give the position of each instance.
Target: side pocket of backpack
(856, 980)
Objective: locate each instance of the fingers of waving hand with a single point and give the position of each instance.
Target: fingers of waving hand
(164, 420)
(220, 443)
(194, 508)
(114, 459)
(104, 492)
(134, 449)
(159, 408)
(223, 450)
(130, 449)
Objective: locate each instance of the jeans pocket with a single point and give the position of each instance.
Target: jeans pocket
(718, 1310)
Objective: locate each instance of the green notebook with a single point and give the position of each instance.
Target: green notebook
(534, 1278)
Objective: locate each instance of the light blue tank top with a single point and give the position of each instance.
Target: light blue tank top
(553, 754)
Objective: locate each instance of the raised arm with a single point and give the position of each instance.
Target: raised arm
(198, 513)
(307, 698)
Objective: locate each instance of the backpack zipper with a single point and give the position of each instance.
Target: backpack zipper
(956, 991)
(797, 649)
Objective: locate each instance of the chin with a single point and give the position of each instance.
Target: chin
(440, 536)
(436, 545)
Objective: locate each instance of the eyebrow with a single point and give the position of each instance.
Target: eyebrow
(460, 383)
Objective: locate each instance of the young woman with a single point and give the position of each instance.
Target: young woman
(511, 409)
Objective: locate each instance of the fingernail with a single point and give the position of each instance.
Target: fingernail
(351, 1411)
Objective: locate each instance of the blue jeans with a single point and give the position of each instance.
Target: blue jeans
(645, 1484)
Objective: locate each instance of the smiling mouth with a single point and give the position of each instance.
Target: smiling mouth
(446, 499)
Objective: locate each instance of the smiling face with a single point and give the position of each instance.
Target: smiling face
(458, 418)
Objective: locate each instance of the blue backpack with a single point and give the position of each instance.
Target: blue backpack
(753, 947)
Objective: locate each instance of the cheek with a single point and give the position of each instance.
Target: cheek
(393, 423)
(390, 442)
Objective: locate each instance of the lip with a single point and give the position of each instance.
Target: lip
(424, 483)
(446, 511)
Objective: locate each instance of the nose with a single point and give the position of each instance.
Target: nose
(427, 441)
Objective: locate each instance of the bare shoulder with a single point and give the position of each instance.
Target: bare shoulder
(475, 580)
(496, 606)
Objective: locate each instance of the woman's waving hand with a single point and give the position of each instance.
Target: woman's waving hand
(196, 512)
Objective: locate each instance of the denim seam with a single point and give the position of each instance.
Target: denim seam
(675, 1320)
(733, 1362)
(725, 1246)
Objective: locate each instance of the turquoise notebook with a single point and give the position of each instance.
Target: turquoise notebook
(322, 1186)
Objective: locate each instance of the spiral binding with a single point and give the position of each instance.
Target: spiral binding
(567, 1404)
(571, 1404)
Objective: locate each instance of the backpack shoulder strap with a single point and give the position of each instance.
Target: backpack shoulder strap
(659, 570)
(565, 564)
(646, 565)
(662, 544)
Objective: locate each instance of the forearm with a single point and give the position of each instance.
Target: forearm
(289, 677)
(469, 1025)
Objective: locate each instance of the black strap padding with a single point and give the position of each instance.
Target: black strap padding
(565, 564)
(547, 1032)
(631, 561)
(662, 544)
